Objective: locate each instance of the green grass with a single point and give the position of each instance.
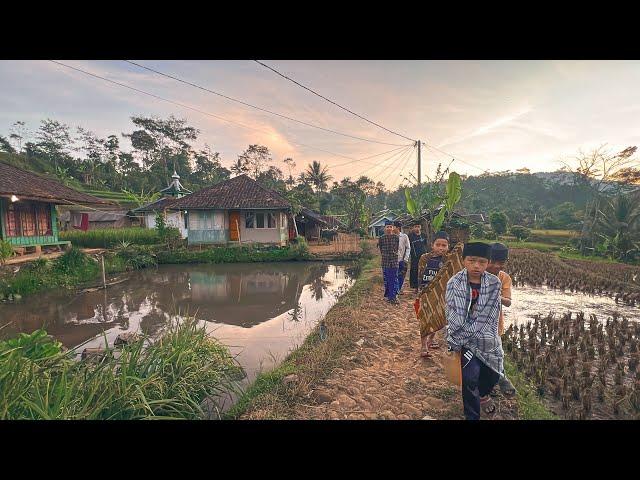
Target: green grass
(530, 405)
(110, 237)
(242, 254)
(166, 378)
(542, 247)
(72, 268)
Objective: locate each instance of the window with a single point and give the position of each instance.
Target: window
(12, 224)
(248, 219)
(43, 219)
(283, 220)
(271, 219)
(259, 220)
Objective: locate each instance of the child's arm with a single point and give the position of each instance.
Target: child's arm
(506, 291)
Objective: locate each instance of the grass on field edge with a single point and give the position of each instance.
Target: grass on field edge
(530, 405)
(268, 397)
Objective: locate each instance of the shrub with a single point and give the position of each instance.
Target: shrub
(477, 230)
(520, 232)
(6, 251)
(110, 237)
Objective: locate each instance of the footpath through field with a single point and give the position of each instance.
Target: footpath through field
(384, 377)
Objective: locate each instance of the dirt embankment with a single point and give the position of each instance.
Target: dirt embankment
(379, 376)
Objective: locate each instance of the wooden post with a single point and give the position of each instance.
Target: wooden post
(104, 279)
(238, 229)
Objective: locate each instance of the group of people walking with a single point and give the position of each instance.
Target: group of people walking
(474, 299)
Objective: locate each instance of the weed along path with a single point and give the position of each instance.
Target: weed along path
(368, 368)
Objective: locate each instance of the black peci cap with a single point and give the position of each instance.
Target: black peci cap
(477, 249)
(441, 235)
(499, 252)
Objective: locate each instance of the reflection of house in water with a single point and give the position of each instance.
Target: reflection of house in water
(243, 299)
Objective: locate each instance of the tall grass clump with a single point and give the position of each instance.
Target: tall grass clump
(110, 237)
(169, 377)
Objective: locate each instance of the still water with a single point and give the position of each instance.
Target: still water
(261, 310)
(529, 301)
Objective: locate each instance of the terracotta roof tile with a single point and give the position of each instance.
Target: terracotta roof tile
(31, 186)
(240, 192)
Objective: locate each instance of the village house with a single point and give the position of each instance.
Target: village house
(376, 228)
(173, 218)
(28, 217)
(236, 210)
(311, 224)
(97, 219)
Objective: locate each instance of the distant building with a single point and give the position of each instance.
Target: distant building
(28, 217)
(376, 228)
(97, 219)
(236, 210)
(173, 218)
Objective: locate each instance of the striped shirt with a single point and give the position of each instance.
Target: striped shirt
(475, 329)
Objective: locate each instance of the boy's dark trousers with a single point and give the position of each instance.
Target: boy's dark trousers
(477, 381)
(413, 273)
(390, 277)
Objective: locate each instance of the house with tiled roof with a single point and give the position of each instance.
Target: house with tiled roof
(236, 210)
(169, 195)
(28, 217)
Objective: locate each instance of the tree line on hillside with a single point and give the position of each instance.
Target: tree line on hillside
(579, 198)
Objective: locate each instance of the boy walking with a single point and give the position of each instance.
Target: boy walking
(499, 258)
(428, 267)
(418, 248)
(472, 308)
(404, 251)
(388, 245)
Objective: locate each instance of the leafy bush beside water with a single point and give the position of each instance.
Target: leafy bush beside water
(111, 237)
(168, 378)
(70, 269)
(297, 251)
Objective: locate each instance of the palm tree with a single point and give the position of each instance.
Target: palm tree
(318, 176)
(618, 224)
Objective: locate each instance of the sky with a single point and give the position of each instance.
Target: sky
(487, 115)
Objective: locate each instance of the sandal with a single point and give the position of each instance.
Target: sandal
(434, 345)
(487, 405)
(426, 354)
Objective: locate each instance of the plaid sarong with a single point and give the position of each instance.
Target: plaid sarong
(430, 304)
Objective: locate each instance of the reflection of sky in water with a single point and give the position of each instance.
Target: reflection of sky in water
(529, 301)
(261, 311)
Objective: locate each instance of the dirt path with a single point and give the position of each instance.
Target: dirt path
(385, 377)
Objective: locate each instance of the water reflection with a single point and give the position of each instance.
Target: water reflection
(260, 310)
(529, 301)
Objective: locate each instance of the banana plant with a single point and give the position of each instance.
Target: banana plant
(453, 195)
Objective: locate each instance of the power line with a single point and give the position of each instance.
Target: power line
(381, 164)
(366, 158)
(260, 108)
(404, 166)
(196, 109)
(332, 102)
(455, 157)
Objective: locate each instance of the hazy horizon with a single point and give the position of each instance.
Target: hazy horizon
(494, 115)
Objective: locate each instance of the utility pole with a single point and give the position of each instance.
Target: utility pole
(419, 164)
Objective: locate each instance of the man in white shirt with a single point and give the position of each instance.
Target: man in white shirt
(404, 252)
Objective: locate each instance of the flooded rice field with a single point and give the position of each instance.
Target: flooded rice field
(261, 310)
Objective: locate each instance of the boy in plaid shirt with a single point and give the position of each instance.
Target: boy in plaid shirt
(388, 245)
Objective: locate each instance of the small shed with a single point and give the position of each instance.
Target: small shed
(310, 224)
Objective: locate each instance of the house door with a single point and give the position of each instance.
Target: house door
(234, 226)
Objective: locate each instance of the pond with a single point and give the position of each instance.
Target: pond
(260, 310)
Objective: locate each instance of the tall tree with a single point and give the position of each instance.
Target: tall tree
(53, 139)
(5, 146)
(255, 159)
(318, 176)
(19, 134)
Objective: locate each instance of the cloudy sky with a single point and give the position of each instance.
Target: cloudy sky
(494, 115)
